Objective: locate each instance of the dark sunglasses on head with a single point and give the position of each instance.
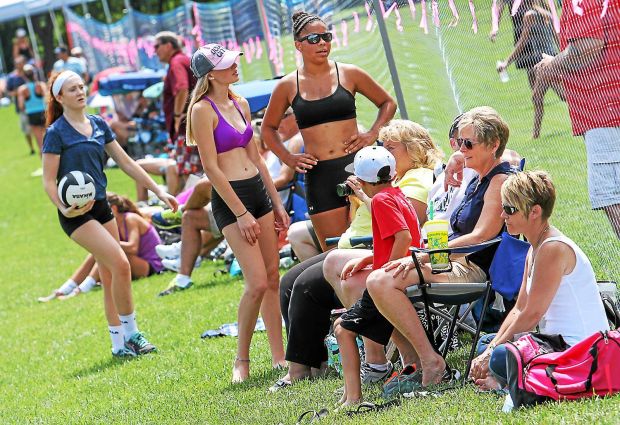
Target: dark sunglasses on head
(469, 144)
(314, 38)
(509, 209)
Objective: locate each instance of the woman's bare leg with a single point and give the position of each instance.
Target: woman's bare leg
(330, 224)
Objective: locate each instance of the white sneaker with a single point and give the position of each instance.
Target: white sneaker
(175, 264)
(171, 251)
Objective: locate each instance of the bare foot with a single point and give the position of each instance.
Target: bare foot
(433, 371)
(280, 364)
(488, 383)
(346, 404)
(241, 370)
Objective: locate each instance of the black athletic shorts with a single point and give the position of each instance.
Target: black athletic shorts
(364, 319)
(101, 212)
(251, 192)
(321, 181)
(37, 119)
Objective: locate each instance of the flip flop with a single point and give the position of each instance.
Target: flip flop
(366, 407)
(313, 416)
(281, 383)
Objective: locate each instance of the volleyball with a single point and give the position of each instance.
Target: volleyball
(76, 187)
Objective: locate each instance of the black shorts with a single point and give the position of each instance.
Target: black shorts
(101, 212)
(321, 181)
(364, 319)
(37, 119)
(252, 194)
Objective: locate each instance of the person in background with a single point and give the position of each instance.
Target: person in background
(22, 46)
(78, 53)
(138, 238)
(589, 68)
(68, 63)
(14, 81)
(559, 291)
(178, 85)
(322, 94)
(78, 141)
(535, 37)
(31, 100)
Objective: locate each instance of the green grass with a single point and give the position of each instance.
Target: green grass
(56, 366)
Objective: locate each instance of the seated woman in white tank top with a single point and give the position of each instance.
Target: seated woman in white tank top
(559, 291)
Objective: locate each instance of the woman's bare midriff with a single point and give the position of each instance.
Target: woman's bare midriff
(326, 141)
(236, 164)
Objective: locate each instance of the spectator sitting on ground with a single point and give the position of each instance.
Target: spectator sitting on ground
(559, 291)
(197, 217)
(138, 240)
(395, 228)
(68, 63)
(483, 135)
(14, 81)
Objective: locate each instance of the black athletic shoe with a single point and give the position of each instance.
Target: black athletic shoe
(139, 344)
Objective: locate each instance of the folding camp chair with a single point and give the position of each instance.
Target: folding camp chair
(457, 294)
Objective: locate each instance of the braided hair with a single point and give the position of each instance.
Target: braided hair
(300, 20)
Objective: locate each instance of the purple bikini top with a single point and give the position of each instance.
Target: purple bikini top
(226, 136)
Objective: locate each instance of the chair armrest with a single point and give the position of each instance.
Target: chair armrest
(332, 241)
(361, 240)
(467, 249)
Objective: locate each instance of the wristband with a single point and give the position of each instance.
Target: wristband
(241, 215)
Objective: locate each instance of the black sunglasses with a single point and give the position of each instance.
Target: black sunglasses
(469, 144)
(314, 38)
(509, 209)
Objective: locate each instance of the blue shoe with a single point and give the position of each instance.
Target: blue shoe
(139, 344)
(123, 353)
(167, 219)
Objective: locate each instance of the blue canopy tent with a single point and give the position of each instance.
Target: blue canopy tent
(129, 81)
(257, 93)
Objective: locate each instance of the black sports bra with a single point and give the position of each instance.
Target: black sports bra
(338, 106)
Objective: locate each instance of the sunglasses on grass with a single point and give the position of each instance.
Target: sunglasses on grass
(315, 37)
(509, 209)
(469, 144)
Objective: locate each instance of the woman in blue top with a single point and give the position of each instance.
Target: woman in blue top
(483, 135)
(31, 100)
(78, 141)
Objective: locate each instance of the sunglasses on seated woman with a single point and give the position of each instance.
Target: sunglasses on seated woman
(315, 37)
(469, 144)
(509, 209)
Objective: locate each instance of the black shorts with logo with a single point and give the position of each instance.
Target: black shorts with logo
(101, 212)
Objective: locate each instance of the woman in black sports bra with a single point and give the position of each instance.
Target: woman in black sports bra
(322, 95)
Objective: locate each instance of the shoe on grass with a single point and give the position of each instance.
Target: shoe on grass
(171, 251)
(410, 380)
(167, 219)
(371, 375)
(174, 287)
(139, 344)
(123, 353)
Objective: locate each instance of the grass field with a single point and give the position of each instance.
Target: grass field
(57, 366)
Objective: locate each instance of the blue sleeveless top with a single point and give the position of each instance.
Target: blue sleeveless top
(35, 103)
(465, 217)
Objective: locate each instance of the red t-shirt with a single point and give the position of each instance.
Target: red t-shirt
(179, 77)
(593, 92)
(391, 213)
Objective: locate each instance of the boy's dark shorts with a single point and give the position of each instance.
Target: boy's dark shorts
(364, 319)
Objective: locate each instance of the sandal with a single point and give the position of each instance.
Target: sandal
(313, 416)
(366, 407)
(281, 383)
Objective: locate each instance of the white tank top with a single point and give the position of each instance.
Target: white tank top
(576, 310)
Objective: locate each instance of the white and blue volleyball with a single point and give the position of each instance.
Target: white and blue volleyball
(76, 187)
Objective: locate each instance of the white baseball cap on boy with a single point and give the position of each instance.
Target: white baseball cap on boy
(210, 57)
(373, 164)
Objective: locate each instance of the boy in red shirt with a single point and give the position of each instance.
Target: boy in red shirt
(395, 228)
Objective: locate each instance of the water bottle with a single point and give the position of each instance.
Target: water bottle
(503, 74)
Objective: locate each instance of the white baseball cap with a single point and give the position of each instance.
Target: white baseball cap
(20, 32)
(210, 57)
(373, 164)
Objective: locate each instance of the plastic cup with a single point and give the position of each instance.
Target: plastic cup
(437, 235)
